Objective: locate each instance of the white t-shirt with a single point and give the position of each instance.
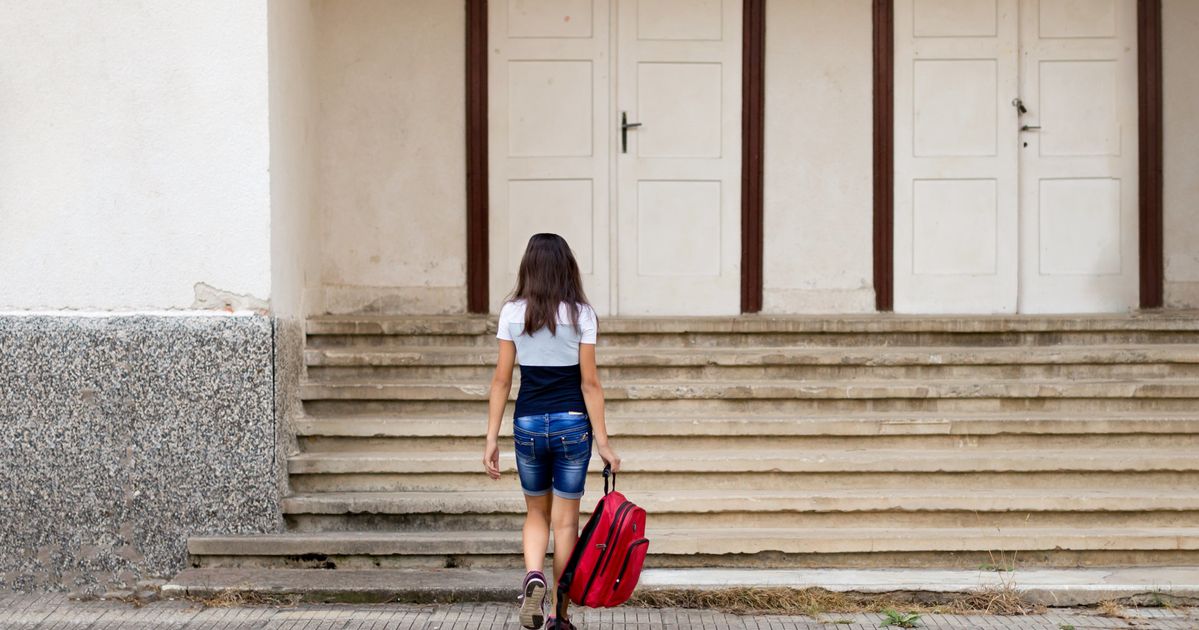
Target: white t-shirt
(542, 348)
(550, 376)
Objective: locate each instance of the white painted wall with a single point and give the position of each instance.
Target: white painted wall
(1180, 83)
(133, 154)
(295, 236)
(818, 165)
(392, 190)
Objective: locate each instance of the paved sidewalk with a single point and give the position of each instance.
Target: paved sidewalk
(57, 611)
(1051, 587)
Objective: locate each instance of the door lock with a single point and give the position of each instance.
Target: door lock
(625, 126)
(1019, 105)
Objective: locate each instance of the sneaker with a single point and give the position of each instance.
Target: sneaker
(554, 624)
(532, 601)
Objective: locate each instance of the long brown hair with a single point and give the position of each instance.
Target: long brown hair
(548, 276)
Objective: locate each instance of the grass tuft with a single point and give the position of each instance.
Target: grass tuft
(900, 619)
(1004, 600)
(233, 598)
(1110, 608)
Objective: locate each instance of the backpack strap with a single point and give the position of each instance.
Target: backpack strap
(560, 608)
(608, 473)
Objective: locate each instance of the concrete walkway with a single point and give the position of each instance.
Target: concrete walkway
(1050, 587)
(57, 611)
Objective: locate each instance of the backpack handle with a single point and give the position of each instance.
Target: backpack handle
(608, 473)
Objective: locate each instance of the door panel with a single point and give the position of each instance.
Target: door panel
(663, 207)
(547, 18)
(679, 180)
(549, 132)
(955, 156)
(691, 131)
(1079, 170)
(680, 20)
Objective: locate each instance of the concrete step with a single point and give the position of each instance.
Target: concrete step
(1049, 587)
(707, 509)
(750, 407)
(1174, 320)
(779, 389)
(754, 356)
(609, 340)
(667, 543)
(757, 330)
(1007, 521)
(836, 433)
(735, 482)
(658, 502)
(861, 424)
(776, 461)
(475, 364)
(933, 445)
(683, 374)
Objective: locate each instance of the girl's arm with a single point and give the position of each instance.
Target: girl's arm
(593, 397)
(501, 387)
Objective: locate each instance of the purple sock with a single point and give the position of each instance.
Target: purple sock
(532, 574)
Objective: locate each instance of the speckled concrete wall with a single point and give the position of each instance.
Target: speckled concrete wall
(120, 436)
(289, 367)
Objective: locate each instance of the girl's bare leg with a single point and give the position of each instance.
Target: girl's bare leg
(564, 517)
(536, 534)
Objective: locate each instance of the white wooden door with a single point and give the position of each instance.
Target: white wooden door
(549, 136)
(999, 210)
(662, 236)
(679, 177)
(1078, 171)
(955, 156)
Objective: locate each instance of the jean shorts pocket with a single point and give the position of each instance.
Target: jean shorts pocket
(524, 447)
(575, 446)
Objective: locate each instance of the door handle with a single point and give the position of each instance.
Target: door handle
(625, 126)
(1030, 128)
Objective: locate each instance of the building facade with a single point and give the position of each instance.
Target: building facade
(183, 184)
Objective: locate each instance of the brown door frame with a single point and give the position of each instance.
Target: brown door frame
(752, 139)
(1149, 144)
(1149, 127)
(884, 152)
(477, 253)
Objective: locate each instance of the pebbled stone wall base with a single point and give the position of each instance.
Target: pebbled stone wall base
(122, 435)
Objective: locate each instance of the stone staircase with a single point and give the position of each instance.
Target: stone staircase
(873, 441)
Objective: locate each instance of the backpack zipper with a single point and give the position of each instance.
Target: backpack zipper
(618, 521)
(607, 549)
(625, 565)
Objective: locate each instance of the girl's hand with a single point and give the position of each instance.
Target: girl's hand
(610, 457)
(491, 459)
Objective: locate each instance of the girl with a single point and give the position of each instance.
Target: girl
(548, 323)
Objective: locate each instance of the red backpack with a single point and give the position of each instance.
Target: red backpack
(606, 561)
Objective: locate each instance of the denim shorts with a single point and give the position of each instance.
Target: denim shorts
(552, 452)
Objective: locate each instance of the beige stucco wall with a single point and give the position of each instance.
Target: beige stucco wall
(1180, 56)
(817, 201)
(295, 240)
(133, 155)
(391, 166)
